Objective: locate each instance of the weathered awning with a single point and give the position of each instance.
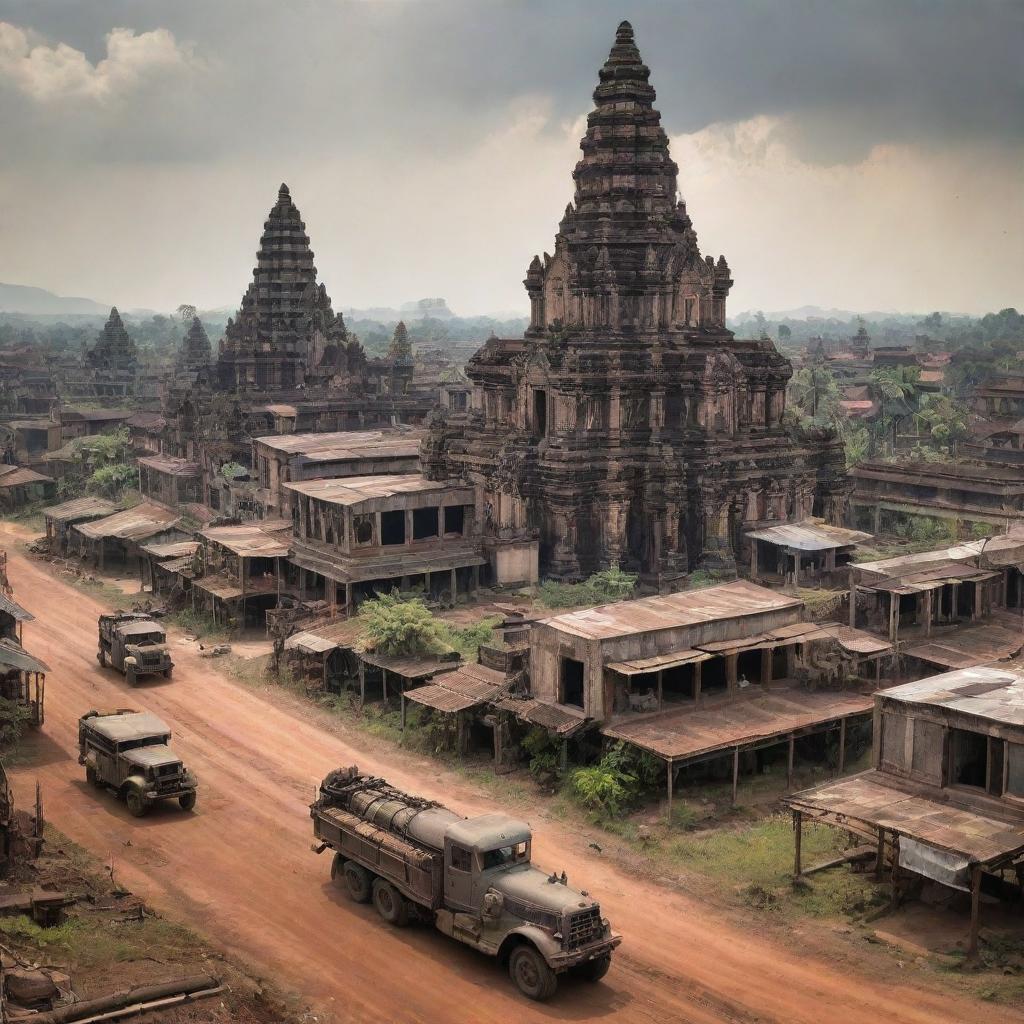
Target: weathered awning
(967, 647)
(413, 667)
(467, 687)
(874, 799)
(810, 535)
(659, 663)
(12, 608)
(13, 655)
(782, 636)
(696, 733)
(558, 719)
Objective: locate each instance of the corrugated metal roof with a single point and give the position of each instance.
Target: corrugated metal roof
(967, 646)
(875, 799)
(558, 719)
(136, 523)
(19, 476)
(409, 667)
(13, 655)
(176, 549)
(80, 508)
(995, 694)
(467, 687)
(810, 535)
(348, 634)
(659, 663)
(355, 489)
(345, 444)
(12, 608)
(692, 733)
(253, 540)
(171, 465)
(687, 608)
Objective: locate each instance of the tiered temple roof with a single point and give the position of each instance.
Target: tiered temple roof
(628, 426)
(114, 352)
(285, 333)
(195, 348)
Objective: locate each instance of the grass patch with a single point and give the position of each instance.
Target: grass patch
(199, 624)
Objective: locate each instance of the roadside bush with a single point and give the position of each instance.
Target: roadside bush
(618, 781)
(14, 718)
(543, 750)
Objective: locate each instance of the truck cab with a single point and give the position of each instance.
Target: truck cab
(135, 644)
(129, 751)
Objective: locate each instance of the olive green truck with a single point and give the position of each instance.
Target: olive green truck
(470, 877)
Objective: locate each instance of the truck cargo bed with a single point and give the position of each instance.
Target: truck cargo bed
(415, 872)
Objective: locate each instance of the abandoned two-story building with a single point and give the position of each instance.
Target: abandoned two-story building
(944, 797)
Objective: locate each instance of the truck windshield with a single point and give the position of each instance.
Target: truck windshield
(517, 854)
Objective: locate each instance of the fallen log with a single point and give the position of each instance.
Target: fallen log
(858, 853)
(132, 1000)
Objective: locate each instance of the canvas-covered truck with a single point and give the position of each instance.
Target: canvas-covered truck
(129, 752)
(471, 877)
(134, 643)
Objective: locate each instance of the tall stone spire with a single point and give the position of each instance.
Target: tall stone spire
(285, 323)
(195, 348)
(114, 351)
(626, 255)
(401, 346)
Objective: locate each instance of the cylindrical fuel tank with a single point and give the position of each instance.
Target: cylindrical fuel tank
(424, 825)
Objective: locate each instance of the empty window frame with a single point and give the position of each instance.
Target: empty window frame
(968, 758)
(455, 519)
(392, 527)
(362, 529)
(424, 523)
(571, 682)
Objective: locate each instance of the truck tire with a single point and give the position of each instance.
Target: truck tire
(131, 677)
(168, 671)
(357, 881)
(138, 805)
(531, 974)
(101, 658)
(593, 970)
(92, 778)
(187, 801)
(390, 903)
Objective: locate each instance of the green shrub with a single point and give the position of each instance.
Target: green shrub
(544, 752)
(405, 626)
(14, 718)
(601, 588)
(602, 789)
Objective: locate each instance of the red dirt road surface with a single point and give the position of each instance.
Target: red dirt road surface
(240, 870)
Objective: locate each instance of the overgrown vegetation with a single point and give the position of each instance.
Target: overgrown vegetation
(617, 782)
(602, 588)
(397, 624)
(14, 719)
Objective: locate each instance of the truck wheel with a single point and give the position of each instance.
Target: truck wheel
(138, 805)
(357, 881)
(101, 658)
(390, 903)
(92, 778)
(187, 801)
(131, 677)
(168, 671)
(531, 974)
(594, 970)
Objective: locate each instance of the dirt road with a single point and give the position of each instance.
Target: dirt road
(240, 870)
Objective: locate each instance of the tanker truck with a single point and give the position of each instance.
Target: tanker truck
(470, 877)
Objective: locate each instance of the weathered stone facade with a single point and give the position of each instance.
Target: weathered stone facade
(285, 334)
(629, 426)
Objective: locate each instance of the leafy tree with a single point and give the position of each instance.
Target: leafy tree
(813, 390)
(784, 332)
(14, 718)
(112, 481)
(401, 626)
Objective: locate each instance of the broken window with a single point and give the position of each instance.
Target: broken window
(894, 742)
(572, 682)
(362, 529)
(424, 523)
(969, 758)
(457, 401)
(392, 527)
(455, 519)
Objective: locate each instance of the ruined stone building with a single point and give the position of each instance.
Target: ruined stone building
(628, 426)
(194, 357)
(285, 333)
(113, 362)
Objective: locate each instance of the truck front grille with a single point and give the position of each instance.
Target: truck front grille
(584, 927)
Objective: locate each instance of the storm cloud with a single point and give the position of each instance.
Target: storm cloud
(429, 145)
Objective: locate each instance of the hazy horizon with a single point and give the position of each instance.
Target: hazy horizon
(862, 157)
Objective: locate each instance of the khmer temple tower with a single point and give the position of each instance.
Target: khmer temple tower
(628, 426)
(113, 361)
(285, 334)
(195, 353)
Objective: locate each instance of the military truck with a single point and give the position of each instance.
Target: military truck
(470, 877)
(127, 751)
(135, 644)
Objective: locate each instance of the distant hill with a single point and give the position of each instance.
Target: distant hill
(17, 298)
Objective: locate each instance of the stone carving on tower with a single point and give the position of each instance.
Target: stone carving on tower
(629, 425)
(113, 361)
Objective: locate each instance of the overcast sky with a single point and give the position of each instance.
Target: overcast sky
(866, 155)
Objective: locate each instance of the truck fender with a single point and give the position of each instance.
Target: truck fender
(89, 760)
(129, 661)
(535, 936)
(133, 782)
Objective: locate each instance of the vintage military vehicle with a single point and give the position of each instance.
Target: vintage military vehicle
(128, 751)
(472, 878)
(134, 643)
